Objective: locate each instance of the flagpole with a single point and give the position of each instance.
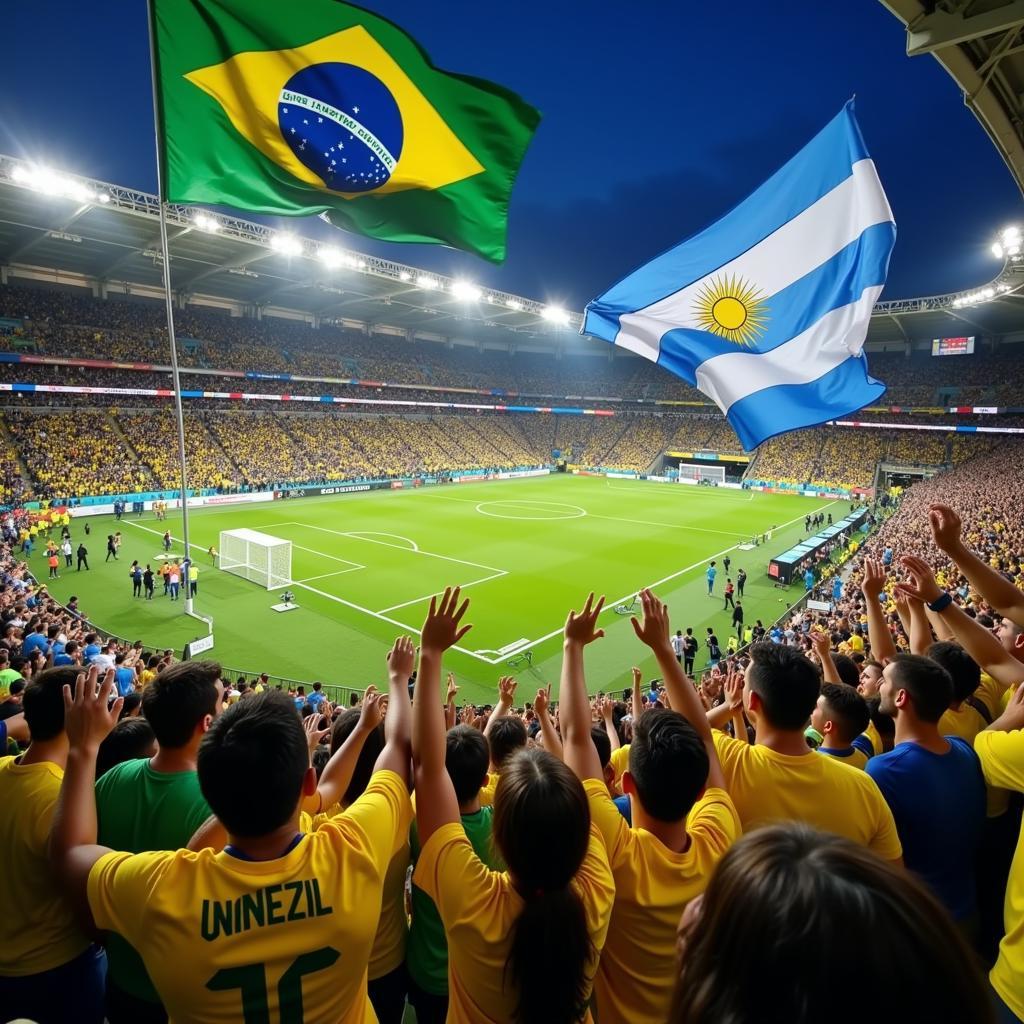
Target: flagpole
(164, 250)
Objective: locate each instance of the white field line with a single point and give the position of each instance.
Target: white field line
(356, 535)
(333, 558)
(686, 489)
(526, 502)
(323, 576)
(413, 630)
(433, 593)
(610, 605)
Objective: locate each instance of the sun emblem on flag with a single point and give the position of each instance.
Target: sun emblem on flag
(732, 309)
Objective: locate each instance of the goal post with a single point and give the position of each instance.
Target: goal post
(257, 557)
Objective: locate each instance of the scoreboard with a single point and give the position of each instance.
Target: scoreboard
(952, 346)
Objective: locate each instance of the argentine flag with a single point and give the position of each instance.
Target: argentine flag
(766, 310)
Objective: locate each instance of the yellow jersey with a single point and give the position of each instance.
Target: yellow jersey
(653, 884)
(37, 929)
(1002, 761)
(487, 792)
(479, 908)
(226, 939)
(620, 762)
(767, 786)
(848, 755)
(872, 736)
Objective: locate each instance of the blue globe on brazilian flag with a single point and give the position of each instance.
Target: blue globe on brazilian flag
(321, 107)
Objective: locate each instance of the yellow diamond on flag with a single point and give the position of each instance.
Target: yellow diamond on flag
(339, 114)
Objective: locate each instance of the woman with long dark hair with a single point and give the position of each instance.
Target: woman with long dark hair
(798, 926)
(523, 944)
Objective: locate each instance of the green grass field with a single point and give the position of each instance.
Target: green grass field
(365, 564)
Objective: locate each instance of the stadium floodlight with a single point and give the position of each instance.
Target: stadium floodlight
(361, 264)
(207, 223)
(514, 304)
(330, 257)
(555, 314)
(50, 183)
(1009, 244)
(286, 245)
(466, 291)
(427, 283)
(405, 276)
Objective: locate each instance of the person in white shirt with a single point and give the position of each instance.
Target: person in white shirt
(678, 645)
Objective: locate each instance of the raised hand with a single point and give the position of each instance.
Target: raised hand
(542, 701)
(401, 659)
(442, 627)
(314, 734)
(580, 627)
(946, 527)
(873, 581)
(371, 714)
(822, 644)
(507, 689)
(88, 719)
(452, 689)
(734, 690)
(654, 630)
(921, 586)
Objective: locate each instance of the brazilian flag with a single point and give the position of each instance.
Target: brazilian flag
(321, 107)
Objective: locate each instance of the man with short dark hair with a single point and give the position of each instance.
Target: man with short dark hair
(49, 970)
(156, 804)
(289, 914)
(690, 648)
(840, 717)
(933, 783)
(683, 820)
(779, 777)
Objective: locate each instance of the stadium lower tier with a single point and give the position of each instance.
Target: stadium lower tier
(54, 452)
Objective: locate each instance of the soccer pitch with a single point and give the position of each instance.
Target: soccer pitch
(525, 551)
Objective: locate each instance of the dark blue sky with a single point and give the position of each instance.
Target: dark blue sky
(657, 119)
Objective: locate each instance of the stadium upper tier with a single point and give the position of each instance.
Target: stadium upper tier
(87, 442)
(62, 325)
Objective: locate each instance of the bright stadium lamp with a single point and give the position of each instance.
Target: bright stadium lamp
(466, 291)
(998, 251)
(555, 314)
(426, 283)
(330, 257)
(514, 304)
(207, 223)
(286, 245)
(405, 276)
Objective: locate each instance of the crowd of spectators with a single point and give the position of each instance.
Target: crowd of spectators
(72, 455)
(843, 790)
(57, 322)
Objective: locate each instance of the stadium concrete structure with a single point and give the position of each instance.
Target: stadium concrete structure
(58, 228)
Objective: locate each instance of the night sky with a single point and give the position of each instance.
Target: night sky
(657, 118)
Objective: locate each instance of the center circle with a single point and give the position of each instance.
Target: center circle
(729, 313)
(343, 123)
(549, 511)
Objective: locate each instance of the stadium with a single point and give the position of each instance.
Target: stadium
(254, 504)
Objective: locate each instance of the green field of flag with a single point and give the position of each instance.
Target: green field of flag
(526, 551)
(323, 107)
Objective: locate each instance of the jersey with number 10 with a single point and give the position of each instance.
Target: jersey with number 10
(261, 942)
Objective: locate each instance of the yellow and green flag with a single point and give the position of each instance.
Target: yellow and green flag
(322, 107)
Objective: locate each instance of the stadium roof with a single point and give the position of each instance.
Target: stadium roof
(981, 44)
(59, 227)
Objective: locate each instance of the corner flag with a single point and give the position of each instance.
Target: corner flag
(766, 310)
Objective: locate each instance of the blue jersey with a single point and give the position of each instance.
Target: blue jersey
(712, 572)
(938, 801)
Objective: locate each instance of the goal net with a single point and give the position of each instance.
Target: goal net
(690, 472)
(257, 557)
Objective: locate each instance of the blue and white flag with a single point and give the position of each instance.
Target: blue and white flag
(766, 310)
